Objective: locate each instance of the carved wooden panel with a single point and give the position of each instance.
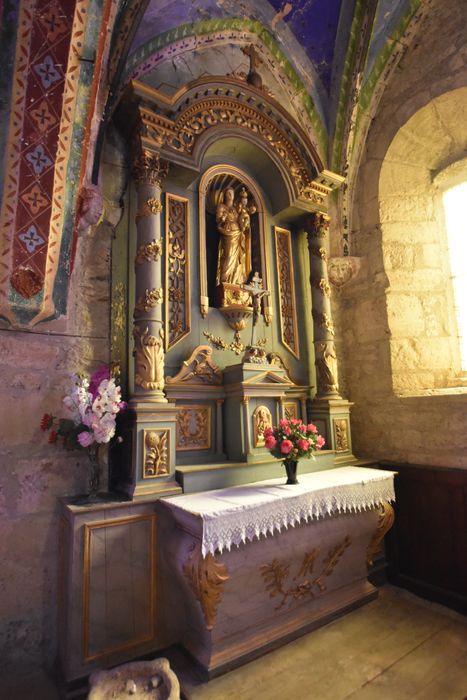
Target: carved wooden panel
(194, 427)
(341, 434)
(177, 319)
(262, 419)
(156, 457)
(285, 276)
(291, 409)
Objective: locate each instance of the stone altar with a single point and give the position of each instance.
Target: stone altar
(254, 566)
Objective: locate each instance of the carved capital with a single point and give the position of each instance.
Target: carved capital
(207, 578)
(148, 168)
(317, 227)
(151, 252)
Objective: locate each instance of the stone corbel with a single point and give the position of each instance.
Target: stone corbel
(342, 270)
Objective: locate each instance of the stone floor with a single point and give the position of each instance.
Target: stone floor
(396, 647)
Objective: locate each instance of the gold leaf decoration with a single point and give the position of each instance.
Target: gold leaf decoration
(207, 578)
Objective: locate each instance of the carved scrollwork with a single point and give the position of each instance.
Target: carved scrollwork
(206, 577)
(151, 252)
(326, 365)
(150, 299)
(317, 226)
(199, 368)
(276, 573)
(285, 274)
(149, 352)
(156, 453)
(178, 278)
(319, 252)
(385, 523)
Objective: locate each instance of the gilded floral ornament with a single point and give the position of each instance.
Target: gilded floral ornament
(150, 207)
(151, 252)
(149, 168)
(323, 285)
(150, 299)
(156, 452)
(276, 573)
(323, 320)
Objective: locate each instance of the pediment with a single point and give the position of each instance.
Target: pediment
(269, 377)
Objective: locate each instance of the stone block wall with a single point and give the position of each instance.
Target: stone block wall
(398, 345)
(34, 375)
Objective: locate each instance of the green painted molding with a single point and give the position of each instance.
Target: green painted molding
(349, 64)
(236, 24)
(384, 55)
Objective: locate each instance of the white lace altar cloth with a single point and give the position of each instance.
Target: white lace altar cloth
(242, 513)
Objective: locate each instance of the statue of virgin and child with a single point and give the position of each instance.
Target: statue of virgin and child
(234, 225)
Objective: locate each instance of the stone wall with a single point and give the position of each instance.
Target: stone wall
(397, 328)
(34, 375)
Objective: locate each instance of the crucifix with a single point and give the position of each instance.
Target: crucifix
(256, 291)
(253, 77)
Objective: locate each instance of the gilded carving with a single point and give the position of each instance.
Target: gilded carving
(194, 427)
(319, 252)
(324, 321)
(318, 226)
(150, 299)
(149, 353)
(262, 419)
(150, 207)
(156, 453)
(326, 364)
(151, 252)
(385, 523)
(341, 435)
(276, 573)
(118, 310)
(285, 274)
(323, 286)
(291, 410)
(233, 224)
(177, 270)
(199, 368)
(148, 168)
(207, 578)
(218, 342)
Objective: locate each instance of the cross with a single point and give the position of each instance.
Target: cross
(256, 291)
(253, 55)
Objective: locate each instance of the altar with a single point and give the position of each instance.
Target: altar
(251, 567)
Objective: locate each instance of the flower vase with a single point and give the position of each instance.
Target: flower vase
(95, 472)
(291, 470)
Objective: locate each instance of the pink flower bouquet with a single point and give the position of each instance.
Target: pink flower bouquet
(292, 439)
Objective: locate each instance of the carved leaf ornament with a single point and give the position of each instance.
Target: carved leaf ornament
(207, 578)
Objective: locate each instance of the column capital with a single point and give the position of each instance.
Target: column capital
(148, 167)
(316, 226)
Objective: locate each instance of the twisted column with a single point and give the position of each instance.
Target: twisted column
(148, 329)
(317, 229)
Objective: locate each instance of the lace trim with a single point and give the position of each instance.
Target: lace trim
(221, 531)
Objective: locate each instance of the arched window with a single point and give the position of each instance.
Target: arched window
(455, 214)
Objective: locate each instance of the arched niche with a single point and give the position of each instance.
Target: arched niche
(228, 175)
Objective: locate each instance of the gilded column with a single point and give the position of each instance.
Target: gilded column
(317, 229)
(148, 330)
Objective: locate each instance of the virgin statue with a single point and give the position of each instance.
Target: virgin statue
(233, 223)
